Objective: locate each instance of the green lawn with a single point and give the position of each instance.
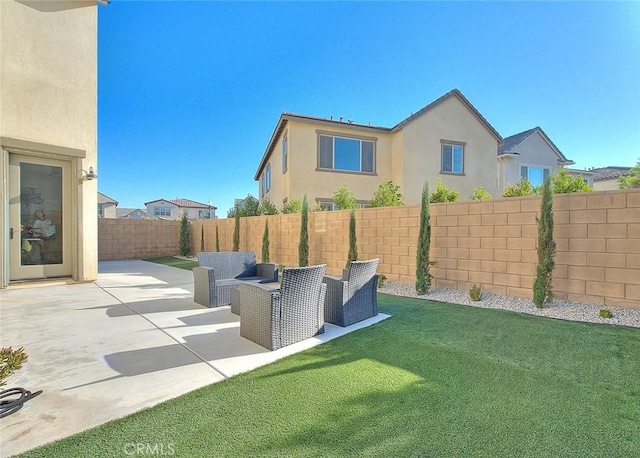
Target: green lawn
(434, 380)
(174, 262)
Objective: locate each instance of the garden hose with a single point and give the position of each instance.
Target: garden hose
(9, 403)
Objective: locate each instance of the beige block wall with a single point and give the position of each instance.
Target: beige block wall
(490, 243)
(48, 95)
(120, 239)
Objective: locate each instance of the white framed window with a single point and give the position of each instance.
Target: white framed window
(346, 154)
(265, 180)
(325, 204)
(535, 174)
(161, 211)
(100, 210)
(452, 157)
(285, 151)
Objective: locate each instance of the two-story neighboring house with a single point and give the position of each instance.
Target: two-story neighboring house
(447, 140)
(177, 208)
(532, 155)
(107, 207)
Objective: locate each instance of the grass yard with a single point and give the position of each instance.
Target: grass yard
(434, 380)
(174, 262)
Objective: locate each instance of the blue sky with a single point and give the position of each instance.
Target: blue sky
(189, 92)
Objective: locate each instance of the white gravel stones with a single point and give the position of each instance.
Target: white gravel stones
(565, 310)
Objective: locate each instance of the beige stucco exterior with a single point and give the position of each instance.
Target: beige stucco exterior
(451, 121)
(410, 154)
(48, 108)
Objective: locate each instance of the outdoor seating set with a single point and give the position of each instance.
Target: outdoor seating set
(275, 314)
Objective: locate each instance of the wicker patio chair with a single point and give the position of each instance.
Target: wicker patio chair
(218, 273)
(352, 298)
(277, 318)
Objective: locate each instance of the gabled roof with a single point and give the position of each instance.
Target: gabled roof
(104, 199)
(184, 203)
(511, 144)
(285, 117)
(438, 101)
(123, 212)
(609, 172)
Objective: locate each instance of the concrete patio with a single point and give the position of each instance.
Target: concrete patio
(100, 351)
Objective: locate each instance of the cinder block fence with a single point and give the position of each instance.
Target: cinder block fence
(489, 243)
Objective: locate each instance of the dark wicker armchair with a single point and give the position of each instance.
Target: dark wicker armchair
(277, 318)
(353, 298)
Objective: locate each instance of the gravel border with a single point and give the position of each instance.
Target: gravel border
(564, 310)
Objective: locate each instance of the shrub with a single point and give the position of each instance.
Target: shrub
(265, 242)
(353, 241)
(184, 236)
(631, 179)
(217, 240)
(475, 293)
(303, 245)
(387, 195)
(523, 187)
(423, 274)
(267, 207)
(480, 193)
(344, 199)
(606, 313)
(250, 206)
(443, 194)
(381, 279)
(542, 292)
(292, 206)
(10, 361)
(236, 233)
(564, 183)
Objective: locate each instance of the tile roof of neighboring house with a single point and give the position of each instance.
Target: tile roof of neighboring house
(284, 117)
(104, 199)
(512, 142)
(607, 173)
(184, 203)
(124, 212)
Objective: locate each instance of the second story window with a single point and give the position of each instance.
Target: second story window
(265, 180)
(535, 175)
(346, 154)
(161, 211)
(285, 148)
(452, 158)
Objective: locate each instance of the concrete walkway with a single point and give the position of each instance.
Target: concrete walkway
(100, 351)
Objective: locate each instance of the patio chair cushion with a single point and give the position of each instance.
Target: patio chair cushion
(355, 298)
(277, 318)
(219, 272)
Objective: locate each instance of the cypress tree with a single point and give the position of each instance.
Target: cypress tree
(202, 238)
(265, 242)
(542, 293)
(217, 240)
(236, 233)
(353, 241)
(423, 275)
(303, 246)
(184, 236)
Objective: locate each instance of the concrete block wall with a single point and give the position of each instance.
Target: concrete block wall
(489, 243)
(120, 239)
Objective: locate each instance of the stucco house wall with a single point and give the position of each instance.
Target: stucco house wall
(451, 121)
(409, 154)
(48, 94)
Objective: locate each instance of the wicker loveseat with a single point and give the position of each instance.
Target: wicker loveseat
(220, 272)
(277, 318)
(352, 298)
